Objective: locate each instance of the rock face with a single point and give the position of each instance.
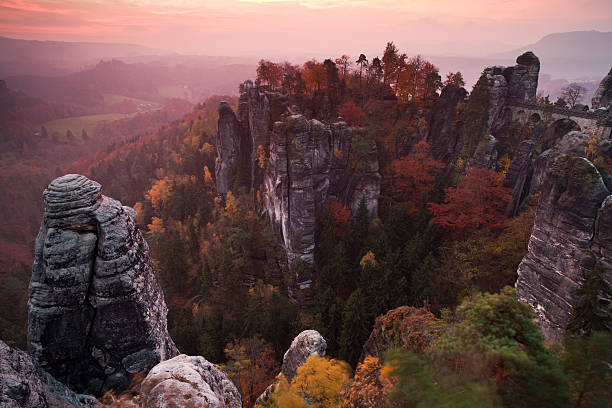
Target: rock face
(25, 385)
(306, 343)
(405, 327)
(96, 312)
(444, 137)
(186, 381)
(297, 165)
(511, 84)
(570, 234)
(603, 95)
(518, 176)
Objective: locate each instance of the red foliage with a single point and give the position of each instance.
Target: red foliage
(341, 215)
(351, 113)
(477, 202)
(413, 176)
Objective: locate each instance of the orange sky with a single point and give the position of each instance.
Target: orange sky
(304, 27)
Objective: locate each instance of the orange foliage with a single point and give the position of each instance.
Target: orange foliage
(368, 388)
(479, 201)
(314, 75)
(270, 73)
(341, 215)
(413, 176)
(351, 113)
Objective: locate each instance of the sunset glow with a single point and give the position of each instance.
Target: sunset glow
(219, 27)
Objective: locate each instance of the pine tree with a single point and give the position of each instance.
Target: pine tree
(589, 314)
(354, 328)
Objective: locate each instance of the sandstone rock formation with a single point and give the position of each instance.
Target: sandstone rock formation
(304, 345)
(96, 312)
(518, 176)
(570, 234)
(297, 164)
(25, 385)
(443, 135)
(188, 381)
(518, 83)
(603, 95)
(405, 327)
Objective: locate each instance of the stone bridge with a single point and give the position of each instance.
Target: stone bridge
(597, 124)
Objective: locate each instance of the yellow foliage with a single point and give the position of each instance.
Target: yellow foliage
(207, 177)
(368, 258)
(320, 382)
(504, 164)
(285, 397)
(139, 208)
(591, 149)
(232, 206)
(159, 192)
(261, 156)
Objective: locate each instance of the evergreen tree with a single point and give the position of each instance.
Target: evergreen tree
(354, 328)
(590, 314)
(361, 225)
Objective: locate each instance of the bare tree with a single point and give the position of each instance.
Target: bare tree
(573, 94)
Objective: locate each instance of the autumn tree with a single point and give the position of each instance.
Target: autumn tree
(352, 113)
(318, 384)
(368, 388)
(413, 176)
(250, 366)
(479, 201)
(344, 62)
(390, 62)
(314, 75)
(269, 73)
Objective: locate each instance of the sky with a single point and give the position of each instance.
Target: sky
(273, 28)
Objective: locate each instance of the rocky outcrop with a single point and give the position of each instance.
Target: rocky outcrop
(518, 83)
(96, 312)
(518, 176)
(444, 136)
(603, 95)
(405, 327)
(309, 162)
(233, 149)
(23, 384)
(187, 381)
(570, 234)
(305, 344)
(297, 164)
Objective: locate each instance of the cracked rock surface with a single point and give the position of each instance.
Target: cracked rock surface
(96, 312)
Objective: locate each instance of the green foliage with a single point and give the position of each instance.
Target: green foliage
(587, 363)
(355, 329)
(590, 313)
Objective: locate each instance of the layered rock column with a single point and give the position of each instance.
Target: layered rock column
(572, 231)
(96, 312)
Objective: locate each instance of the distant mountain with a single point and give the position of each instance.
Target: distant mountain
(571, 55)
(30, 57)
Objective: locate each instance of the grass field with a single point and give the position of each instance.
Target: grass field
(111, 99)
(77, 123)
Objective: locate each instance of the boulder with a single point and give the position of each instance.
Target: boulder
(188, 381)
(306, 343)
(96, 312)
(23, 384)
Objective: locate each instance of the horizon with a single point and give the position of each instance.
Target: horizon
(302, 29)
